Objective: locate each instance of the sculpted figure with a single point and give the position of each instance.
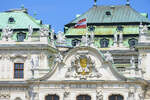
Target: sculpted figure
(61, 37)
(59, 58)
(131, 94)
(35, 61)
(44, 32)
(143, 29)
(108, 56)
(7, 33)
(30, 29)
(132, 62)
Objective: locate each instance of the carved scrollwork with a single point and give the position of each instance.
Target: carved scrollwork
(83, 67)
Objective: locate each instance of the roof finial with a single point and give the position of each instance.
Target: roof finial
(95, 1)
(128, 3)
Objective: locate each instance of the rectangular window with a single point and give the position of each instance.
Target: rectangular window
(19, 70)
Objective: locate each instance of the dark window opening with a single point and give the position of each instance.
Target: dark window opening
(119, 28)
(11, 20)
(21, 36)
(132, 42)
(52, 97)
(18, 70)
(116, 97)
(104, 43)
(108, 13)
(91, 29)
(75, 42)
(83, 97)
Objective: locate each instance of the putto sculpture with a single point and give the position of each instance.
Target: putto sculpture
(7, 33)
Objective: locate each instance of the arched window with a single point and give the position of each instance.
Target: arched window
(21, 36)
(116, 97)
(83, 97)
(104, 43)
(52, 97)
(132, 42)
(75, 42)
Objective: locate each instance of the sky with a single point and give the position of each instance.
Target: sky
(57, 13)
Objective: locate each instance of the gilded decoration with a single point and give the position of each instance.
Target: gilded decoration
(83, 67)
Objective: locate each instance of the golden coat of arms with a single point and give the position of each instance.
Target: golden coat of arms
(83, 67)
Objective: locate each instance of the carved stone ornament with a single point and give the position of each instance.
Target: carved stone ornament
(44, 32)
(61, 38)
(83, 67)
(99, 94)
(66, 91)
(30, 29)
(131, 95)
(7, 33)
(108, 56)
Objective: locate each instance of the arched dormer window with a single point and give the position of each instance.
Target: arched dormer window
(132, 42)
(75, 42)
(83, 97)
(21, 36)
(116, 97)
(104, 43)
(52, 97)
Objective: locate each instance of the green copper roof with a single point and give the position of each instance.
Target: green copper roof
(21, 20)
(111, 14)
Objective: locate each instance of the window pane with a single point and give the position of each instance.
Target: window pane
(52, 97)
(83, 97)
(19, 70)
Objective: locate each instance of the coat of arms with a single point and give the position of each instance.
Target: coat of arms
(83, 67)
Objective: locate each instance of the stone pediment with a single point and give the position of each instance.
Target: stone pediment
(84, 63)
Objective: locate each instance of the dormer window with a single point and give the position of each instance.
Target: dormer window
(132, 42)
(21, 36)
(108, 13)
(11, 20)
(104, 43)
(75, 42)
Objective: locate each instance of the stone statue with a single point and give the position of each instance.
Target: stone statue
(85, 40)
(121, 37)
(108, 56)
(115, 37)
(30, 29)
(61, 38)
(143, 29)
(132, 62)
(52, 35)
(131, 94)
(35, 61)
(44, 32)
(141, 95)
(7, 33)
(59, 58)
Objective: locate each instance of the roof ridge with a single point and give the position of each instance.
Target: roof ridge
(33, 19)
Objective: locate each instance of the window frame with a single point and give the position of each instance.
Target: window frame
(53, 96)
(116, 96)
(18, 71)
(20, 35)
(132, 39)
(84, 96)
(102, 40)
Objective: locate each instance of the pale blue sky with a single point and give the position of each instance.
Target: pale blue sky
(59, 12)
